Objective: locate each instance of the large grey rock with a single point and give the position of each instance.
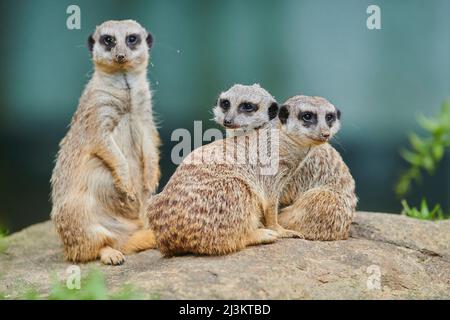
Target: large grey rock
(412, 256)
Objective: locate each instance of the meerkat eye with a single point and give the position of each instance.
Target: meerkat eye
(225, 104)
(307, 116)
(133, 39)
(329, 117)
(248, 107)
(108, 41)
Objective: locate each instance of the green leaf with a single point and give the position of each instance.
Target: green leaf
(428, 164)
(411, 157)
(438, 151)
(428, 124)
(417, 143)
(424, 212)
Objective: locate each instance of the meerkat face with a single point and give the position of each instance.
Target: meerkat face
(310, 120)
(120, 46)
(245, 107)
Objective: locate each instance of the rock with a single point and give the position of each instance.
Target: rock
(411, 256)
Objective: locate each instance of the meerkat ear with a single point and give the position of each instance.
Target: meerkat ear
(91, 43)
(273, 110)
(149, 40)
(338, 112)
(283, 114)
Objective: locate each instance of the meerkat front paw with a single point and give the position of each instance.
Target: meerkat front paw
(111, 256)
(285, 233)
(262, 236)
(127, 192)
(291, 234)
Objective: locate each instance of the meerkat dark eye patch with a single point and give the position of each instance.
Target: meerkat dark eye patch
(273, 110)
(338, 112)
(224, 104)
(309, 118)
(108, 41)
(330, 118)
(91, 43)
(248, 107)
(149, 40)
(133, 40)
(283, 114)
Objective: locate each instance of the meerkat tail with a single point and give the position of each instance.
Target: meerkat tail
(319, 214)
(139, 241)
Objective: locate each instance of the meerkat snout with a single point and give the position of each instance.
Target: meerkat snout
(245, 107)
(311, 120)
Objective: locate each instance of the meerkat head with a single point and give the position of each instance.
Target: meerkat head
(309, 120)
(120, 46)
(245, 107)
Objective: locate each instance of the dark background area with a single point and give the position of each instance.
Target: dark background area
(380, 79)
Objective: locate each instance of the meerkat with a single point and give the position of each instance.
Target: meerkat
(245, 107)
(320, 200)
(217, 207)
(107, 164)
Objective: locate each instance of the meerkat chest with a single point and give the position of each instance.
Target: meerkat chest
(135, 123)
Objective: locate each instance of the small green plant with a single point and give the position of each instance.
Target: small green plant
(93, 287)
(426, 152)
(424, 211)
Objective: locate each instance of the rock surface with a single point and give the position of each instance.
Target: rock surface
(412, 256)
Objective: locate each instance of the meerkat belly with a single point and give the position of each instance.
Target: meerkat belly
(128, 136)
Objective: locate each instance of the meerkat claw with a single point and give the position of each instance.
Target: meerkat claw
(291, 234)
(111, 256)
(285, 233)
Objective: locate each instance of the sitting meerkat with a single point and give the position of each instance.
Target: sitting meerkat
(319, 201)
(107, 164)
(218, 207)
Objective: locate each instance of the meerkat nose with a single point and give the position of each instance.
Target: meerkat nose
(120, 58)
(325, 135)
(227, 122)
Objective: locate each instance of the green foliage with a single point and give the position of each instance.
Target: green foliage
(423, 212)
(93, 287)
(426, 152)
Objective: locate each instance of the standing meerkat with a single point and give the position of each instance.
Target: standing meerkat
(218, 207)
(107, 164)
(319, 201)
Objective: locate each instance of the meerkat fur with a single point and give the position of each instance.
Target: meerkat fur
(107, 164)
(320, 201)
(211, 207)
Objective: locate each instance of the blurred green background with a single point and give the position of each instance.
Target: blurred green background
(380, 79)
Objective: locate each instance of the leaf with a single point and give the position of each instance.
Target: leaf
(411, 157)
(417, 143)
(428, 164)
(428, 124)
(438, 151)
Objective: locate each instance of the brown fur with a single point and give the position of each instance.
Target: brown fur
(212, 207)
(320, 201)
(216, 208)
(107, 165)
